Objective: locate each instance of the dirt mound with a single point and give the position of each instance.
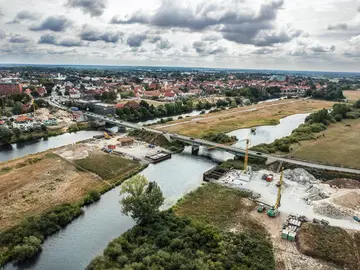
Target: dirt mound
(350, 200)
(331, 244)
(329, 210)
(344, 183)
(300, 176)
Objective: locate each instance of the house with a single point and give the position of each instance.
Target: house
(103, 108)
(74, 93)
(129, 104)
(170, 95)
(41, 90)
(10, 88)
(152, 94)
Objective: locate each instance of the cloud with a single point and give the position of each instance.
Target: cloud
(264, 51)
(54, 40)
(53, 23)
(211, 38)
(154, 39)
(321, 48)
(62, 52)
(203, 49)
(19, 39)
(163, 44)
(48, 39)
(339, 26)
(353, 49)
(91, 34)
(25, 15)
(69, 42)
(233, 19)
(304, 48)
(93, 7)
(1, 12)
(2, 34)
(136, 40)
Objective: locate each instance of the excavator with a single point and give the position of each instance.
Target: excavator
(274, 210)
(107, 136)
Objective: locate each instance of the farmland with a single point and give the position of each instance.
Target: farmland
(229, 120)
(352, 96)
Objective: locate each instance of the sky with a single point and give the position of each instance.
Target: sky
(319, 35)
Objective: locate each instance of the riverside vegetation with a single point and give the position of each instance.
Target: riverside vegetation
(165, 240)
(314, 123)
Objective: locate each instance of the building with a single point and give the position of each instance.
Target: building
(129, 104)
(170, 95)
(7, 89)
(126, 141)
(103, 108)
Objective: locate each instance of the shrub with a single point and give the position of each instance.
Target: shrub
(31, 245)
(338, 118)
(91, 197)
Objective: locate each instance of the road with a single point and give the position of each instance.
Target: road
(231, 149)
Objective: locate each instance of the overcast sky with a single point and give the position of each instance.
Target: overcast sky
(255, 34)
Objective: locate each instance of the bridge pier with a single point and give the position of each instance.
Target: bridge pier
(195, 149)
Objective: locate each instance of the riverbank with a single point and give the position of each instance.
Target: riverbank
(256, 115)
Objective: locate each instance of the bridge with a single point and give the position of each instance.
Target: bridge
(197, 142)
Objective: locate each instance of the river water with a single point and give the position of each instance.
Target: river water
(18, 150)
(87, 236)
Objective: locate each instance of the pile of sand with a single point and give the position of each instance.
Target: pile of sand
(300, 176)
(350, 200)
(344, 183)
(329, 210)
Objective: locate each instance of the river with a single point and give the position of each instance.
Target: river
(87, 236)
(18, 150)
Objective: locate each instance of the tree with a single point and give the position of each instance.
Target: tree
(5, 134)
(142, 199)
(17, 132)
(17, 109)
(357, 104)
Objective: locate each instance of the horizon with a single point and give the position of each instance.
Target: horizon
(168, 66)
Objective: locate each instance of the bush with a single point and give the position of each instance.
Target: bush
(31, 246)
(91, 197)
(338, 118)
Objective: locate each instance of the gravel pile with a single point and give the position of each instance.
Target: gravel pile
(315, 193)
(300, 176)
(329, 210)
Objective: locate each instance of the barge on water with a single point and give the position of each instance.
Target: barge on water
(158, 157)
(214, 174)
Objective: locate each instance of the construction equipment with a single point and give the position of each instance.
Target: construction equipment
(261, 208)
(274, 210)
(107, 136)
(246, 160)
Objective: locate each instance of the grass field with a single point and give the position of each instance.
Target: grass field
(32, 185)
(108, 167)
(352, 96)
(223, 207)
(229, 120)
(340, 146)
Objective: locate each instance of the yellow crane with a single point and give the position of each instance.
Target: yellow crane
(274, 210)
(107, 136)
(246, 159)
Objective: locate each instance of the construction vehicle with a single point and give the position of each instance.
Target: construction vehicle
(261, 208)
(274, 210)
(246, 159)
(107, 136)
(356, 218)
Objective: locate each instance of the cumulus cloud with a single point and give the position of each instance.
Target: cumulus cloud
(19, 39)
(353, 49)
(264, 51)
(54, 40)
(234, 19)
(163, 44)
(136, 40)
(53, 23)
(211, 38)
(25, 15)
(91, 34)
(204, 49)
(62, 52)
(93, 7)
(48, 39)
(304, 48)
